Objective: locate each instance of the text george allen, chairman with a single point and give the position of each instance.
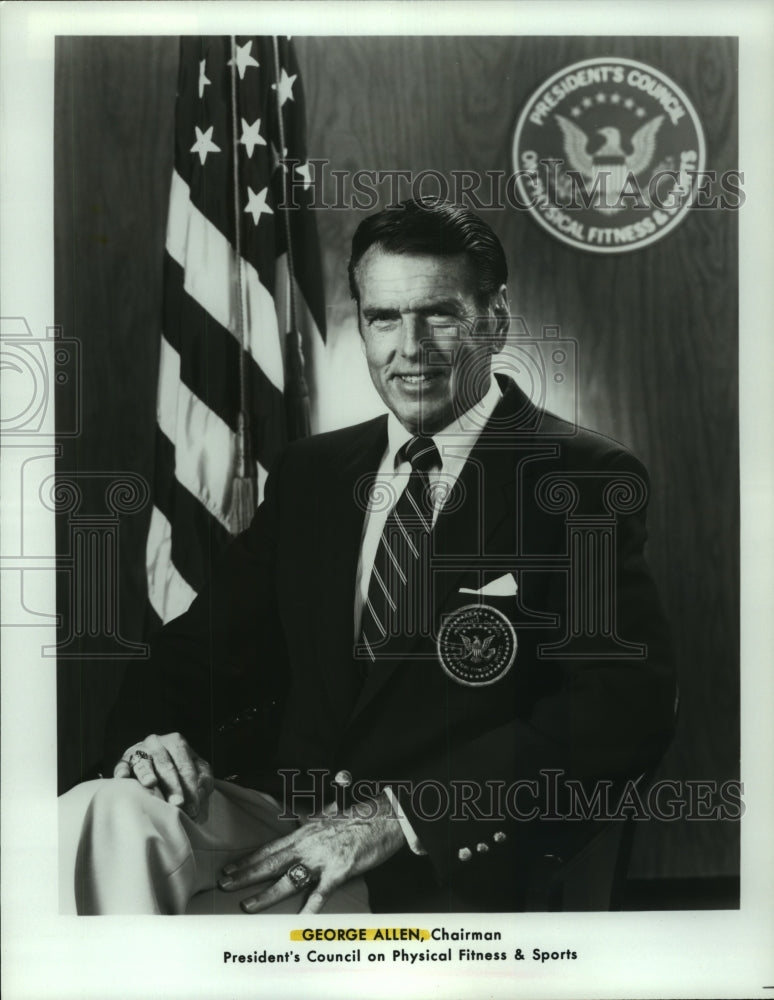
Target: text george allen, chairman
(431, 610)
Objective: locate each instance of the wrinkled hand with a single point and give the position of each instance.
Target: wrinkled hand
(334, 846)
(180, 774)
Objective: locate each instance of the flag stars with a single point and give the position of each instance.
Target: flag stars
(204, 143)
(640, 112)
(628, 103)
(243, 59)
(251, 136)
(587, 102)
(615, 98)
(305, 174)
(285, 86)
(601, 98)
(256, 204)
(575, 112)
(203, 81)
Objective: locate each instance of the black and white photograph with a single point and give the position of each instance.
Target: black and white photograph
(386, 501)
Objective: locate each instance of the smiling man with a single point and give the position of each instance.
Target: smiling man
(408, 302)
(419, 625)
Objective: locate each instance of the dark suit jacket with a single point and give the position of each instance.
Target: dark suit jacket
(275, 629)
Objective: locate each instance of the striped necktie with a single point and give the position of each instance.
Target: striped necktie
(397, 587)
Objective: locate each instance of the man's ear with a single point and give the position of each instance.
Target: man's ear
(502, 315)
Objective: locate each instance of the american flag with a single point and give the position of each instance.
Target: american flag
(242, 295)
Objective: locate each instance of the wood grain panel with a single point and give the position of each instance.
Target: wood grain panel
(113, 160)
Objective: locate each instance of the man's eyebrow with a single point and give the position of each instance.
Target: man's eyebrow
(450, 305)
(371, 312)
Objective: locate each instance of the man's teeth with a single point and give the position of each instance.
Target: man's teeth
(416, 378)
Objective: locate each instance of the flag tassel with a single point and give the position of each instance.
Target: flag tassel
(243, 504)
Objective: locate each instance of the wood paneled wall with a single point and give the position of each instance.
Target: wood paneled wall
(656, 329)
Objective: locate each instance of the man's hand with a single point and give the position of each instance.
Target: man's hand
(334, 847)
(169, 764)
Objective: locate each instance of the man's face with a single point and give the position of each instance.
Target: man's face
(428, 357)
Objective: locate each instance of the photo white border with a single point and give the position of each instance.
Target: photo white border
(676, 954)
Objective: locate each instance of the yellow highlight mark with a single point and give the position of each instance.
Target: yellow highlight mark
(333, 934)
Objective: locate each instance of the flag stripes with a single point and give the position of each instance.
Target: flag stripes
(209, 264)
(209, 367)
(181, 507)
(168, 591)
(205, 447)
(243, 303)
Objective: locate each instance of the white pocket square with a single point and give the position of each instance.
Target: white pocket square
(503, 586)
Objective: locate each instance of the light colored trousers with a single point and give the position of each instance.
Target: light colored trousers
(123, 849)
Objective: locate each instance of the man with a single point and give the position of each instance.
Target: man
(441, 607)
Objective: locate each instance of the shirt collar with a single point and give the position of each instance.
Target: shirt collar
(467, 426)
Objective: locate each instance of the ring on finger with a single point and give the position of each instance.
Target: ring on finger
(299, 875)
(138, 755)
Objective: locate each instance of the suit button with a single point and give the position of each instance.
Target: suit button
(499, 837)
(343, 778)
(464, 854)
(482, 848)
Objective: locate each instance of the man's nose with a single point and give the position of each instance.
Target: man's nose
(413, 333)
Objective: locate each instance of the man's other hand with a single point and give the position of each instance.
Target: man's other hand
(169, 764)
(334, 847)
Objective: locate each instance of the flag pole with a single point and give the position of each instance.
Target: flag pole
(244, 497)
(296, 389)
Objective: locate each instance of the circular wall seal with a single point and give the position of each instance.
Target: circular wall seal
(606, 155)
(476, 645)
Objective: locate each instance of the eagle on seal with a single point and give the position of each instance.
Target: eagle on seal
(477, 650)
(609, 163)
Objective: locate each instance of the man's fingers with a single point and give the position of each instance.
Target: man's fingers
(186, 763)
(168, 763)
(143, 771)
(205, 778)
(275, 893)
(204, 809)
(166, 770)
(318, 897)
(256, 867)
(205, 785)
(283, 888)
(273, 859)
